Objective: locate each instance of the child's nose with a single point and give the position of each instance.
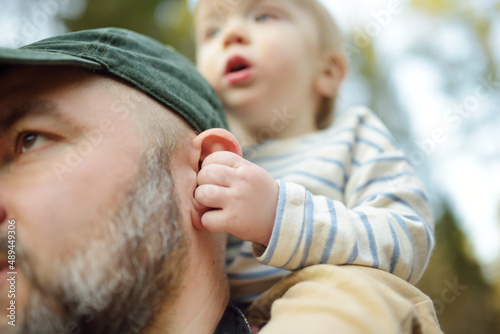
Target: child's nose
(235, 34)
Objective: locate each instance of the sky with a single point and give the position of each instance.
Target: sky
(461, 157)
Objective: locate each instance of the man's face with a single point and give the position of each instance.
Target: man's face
(258, 55)
(94, 213)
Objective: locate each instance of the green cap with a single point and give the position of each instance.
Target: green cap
(150, 66)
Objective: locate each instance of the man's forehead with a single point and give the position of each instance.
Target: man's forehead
(23, 76)
(32, 80)
(11, 114)
(71, 95)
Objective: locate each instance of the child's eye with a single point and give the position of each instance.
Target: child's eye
(212, 32)
(264, 17)
(26, 141)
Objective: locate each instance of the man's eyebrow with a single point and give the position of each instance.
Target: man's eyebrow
(31, 108)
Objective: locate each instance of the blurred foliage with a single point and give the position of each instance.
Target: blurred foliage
(498, 214)
(168, 21)
(477, 23)
(434, 6)
(464, 300)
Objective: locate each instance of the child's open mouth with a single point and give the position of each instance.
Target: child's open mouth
(238, 70)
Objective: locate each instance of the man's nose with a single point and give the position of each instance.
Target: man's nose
(236, 33)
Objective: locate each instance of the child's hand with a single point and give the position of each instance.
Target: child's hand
(243, 197)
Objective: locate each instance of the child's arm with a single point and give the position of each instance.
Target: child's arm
(383, 220)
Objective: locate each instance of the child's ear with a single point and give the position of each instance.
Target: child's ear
(332, 72)
(215, 140)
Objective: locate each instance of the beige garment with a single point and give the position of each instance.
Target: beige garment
(343, 299)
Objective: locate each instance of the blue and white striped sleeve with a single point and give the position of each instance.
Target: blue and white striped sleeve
(383, 221)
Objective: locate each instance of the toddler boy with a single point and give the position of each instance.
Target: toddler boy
(345, 195)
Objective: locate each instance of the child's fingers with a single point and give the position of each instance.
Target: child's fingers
(219, 175)
(222, 158)
(216, 221)
(211, 196)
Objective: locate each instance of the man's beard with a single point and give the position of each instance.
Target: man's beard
(119, 282)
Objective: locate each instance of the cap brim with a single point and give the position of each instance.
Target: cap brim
(138, 60)
(32, 57)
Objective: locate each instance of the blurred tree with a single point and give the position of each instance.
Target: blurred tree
(477, 30)
(436, 6)
(497, 290)
(498, 214)
(464, 301)
(168, 21)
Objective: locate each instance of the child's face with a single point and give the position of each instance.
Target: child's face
(259, 56)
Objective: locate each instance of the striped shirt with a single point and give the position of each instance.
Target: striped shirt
(348, 195)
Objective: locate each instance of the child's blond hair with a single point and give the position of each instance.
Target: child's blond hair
(330, 40)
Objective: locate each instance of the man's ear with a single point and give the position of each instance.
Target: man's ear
(215, 140)
(332, 72)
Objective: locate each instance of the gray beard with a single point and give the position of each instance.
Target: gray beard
(120, 281)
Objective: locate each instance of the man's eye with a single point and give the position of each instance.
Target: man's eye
(27, 141)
